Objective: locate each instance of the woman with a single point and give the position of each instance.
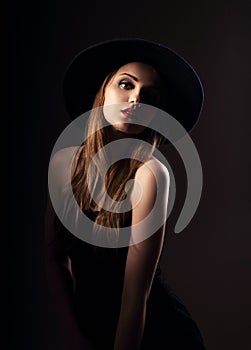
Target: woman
(109, 291)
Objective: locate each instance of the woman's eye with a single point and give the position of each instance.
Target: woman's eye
(126, 85)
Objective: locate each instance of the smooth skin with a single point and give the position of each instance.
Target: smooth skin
(132, 84)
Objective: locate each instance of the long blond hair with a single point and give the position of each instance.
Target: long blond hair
(85, 170)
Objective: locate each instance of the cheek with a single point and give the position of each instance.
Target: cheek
(114, 95)
(111, 112)
(112, 104)
(108, 97)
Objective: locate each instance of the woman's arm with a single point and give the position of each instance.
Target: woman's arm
(142, 257)
(58, 271)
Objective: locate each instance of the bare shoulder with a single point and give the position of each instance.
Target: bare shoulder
(151, 178)
(150, 190)
(63, 157)
(60, 168)
(153, 168)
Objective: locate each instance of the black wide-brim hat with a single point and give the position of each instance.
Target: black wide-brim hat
(183, 96)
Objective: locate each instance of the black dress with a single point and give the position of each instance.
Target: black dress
(98, 283)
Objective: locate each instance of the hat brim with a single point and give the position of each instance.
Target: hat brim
(183, 97)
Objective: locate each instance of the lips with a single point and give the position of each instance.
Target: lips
(134, 111)
(128, 112)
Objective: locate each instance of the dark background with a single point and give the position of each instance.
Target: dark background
(208, 264)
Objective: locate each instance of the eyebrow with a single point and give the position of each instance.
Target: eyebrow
(136, 79)
(130, 75)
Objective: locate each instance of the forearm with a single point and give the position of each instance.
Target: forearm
(130, 327)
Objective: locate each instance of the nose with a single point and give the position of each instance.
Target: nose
(134, 97)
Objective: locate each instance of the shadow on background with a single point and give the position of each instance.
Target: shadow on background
(208, 263)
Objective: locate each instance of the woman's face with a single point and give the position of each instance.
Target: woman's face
(133, 84)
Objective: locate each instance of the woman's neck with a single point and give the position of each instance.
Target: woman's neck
(113, 134)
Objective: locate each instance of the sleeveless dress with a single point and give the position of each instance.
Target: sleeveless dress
(98, 283)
